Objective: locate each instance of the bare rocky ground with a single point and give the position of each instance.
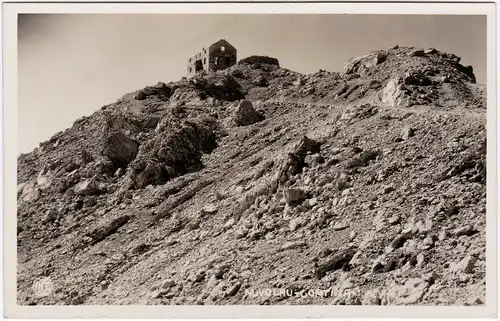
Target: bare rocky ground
(368, 185)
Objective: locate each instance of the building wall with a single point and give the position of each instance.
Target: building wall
(222, 55)
(218, 56)
(199, 60)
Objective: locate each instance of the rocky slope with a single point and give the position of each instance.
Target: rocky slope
(260, 185)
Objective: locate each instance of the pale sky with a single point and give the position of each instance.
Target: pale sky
(71, 65)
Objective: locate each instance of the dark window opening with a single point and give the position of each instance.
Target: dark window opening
(228, 61)
(204, 61)
(198, 66)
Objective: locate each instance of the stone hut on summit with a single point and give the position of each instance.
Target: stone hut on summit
(217, 56)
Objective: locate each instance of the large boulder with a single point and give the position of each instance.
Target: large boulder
(86, 187)
(145, 173)
(260, 81)
(392, 94)
(259, 60)
(43, 182)
(296, 160)
(222, 87)
(30, 192)
(364, 63)
(120, 149)
(246, 115)
(294, 195)
(307, 146)
(160, 90)
(174, 152)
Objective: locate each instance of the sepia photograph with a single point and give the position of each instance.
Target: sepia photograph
(253, 159)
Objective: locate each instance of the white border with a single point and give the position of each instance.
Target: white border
(183, 2)
(254, 8)
(10, 11)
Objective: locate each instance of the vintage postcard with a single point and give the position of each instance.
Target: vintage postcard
(250, 160)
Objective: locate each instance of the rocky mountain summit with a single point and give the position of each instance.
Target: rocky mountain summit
(260, 185)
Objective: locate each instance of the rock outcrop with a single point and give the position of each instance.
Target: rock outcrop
(364, 186)
(120, 149)
(245, 114)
